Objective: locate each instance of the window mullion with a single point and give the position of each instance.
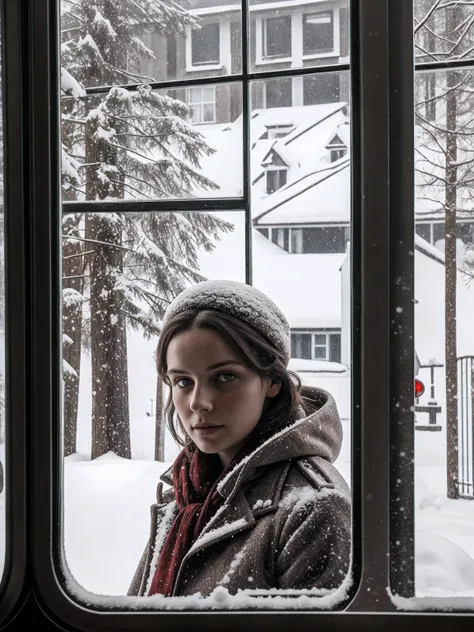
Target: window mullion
(371, 326)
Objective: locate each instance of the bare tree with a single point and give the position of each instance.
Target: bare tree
(445, 163)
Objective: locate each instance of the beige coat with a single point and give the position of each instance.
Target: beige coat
(286, 520)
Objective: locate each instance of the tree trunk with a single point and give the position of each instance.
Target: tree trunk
(110, 409)
(110, 418)
(160, 425)
(452, 79)
(73, 271)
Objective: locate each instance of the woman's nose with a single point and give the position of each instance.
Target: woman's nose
(201, 399)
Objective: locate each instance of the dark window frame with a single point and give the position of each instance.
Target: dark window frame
(382, 152)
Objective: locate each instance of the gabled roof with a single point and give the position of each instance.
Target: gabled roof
(323, 195)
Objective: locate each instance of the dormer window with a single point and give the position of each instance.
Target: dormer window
(337, 153)
(279, 130)
(337, 149)
(276, 178)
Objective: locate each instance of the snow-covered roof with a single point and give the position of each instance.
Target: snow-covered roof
(321, 196)
(307, 288)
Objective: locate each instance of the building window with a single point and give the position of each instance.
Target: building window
(278, 131)
(424, 230)
(205, 45)
(276, 178)
(336, 153)
(278, 93)
(319, 89)
(276, 40)
(202, 101)
(318, 33)
(316, 345)
(324, 239)
(281, 237)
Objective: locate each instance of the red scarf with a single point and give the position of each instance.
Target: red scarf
(194, 483)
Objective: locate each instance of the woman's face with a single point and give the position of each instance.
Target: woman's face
(218, 399)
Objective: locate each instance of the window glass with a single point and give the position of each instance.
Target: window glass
(318, 33)
(444, 303)
(158, 42)
(276, 178)
(323, 88)
(320, 346)
(297, 36)
(115, 446)
(278, 93)
(325, 239)
(277, 37)
(205, 45)
(202, 101)
(122, 269)
(150, 144)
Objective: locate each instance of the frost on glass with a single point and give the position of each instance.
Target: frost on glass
(444, 308)
(2, 337)
(119, 274)
(296, 35)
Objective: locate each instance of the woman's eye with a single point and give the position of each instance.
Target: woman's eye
(182, 382)
(225, 377)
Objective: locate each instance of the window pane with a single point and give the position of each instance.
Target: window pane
(319, 339)
(443, 31)
(278, 93)
(205, 44)
(150, 144)
(301, 346)
(158, 42)
(444, 313)
(277, 37)
(312, 286)
(113, 301)
(295, 36)
(318, 33)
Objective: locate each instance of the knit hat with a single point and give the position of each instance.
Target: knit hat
(241, 301)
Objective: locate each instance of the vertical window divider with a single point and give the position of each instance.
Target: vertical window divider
(246, 175)
(402, 295)
(370, 304)
(16, 377)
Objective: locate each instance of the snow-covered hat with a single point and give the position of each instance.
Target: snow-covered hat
(242, 301)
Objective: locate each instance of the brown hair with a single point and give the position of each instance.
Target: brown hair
(257, 353)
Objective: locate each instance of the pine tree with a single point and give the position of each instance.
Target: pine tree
(129, 144)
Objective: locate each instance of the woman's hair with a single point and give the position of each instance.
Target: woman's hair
(256, 352)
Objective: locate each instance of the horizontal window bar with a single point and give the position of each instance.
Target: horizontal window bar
(458, 64)
(156, 206)
(177, 83)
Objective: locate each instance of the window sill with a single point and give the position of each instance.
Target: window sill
(204, 67)
(276, 60)
(332, 53)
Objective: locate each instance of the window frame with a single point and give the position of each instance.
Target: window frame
(297, 55)
(201, 103)
(190, 65)
(382, 419)
(17, 341)
(316, 54)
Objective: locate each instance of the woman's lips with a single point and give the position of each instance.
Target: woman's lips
(207, 430)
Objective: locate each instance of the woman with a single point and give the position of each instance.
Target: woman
(254, 502)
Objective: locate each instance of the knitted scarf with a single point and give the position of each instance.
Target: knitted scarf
(194, 481)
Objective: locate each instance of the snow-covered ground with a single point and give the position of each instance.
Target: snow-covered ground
(107, 502)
